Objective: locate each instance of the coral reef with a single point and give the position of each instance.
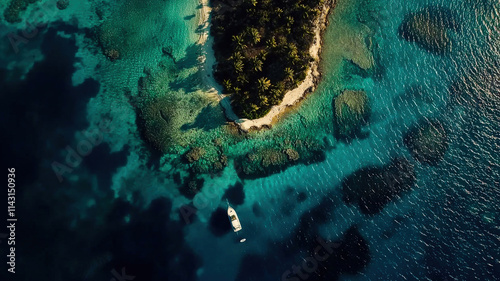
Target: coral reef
(269, 159)
(371, 188)
(154, 122)
(13, 11)
(478, 88)
(427, 141)
(219, 224)
(62, 4)
(292, 154)
(110, 41)
(192, 185)
(429, 29)
(194, 154)
(351, 112)
(235, 194)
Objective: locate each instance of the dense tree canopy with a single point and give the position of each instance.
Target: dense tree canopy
(262, 48)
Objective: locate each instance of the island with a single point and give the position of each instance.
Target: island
(265, 54)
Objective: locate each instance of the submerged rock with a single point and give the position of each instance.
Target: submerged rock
(429, 28)
(427, 141)
(264, 161)
(15, 8)
(235, 194)
(219, 224)
(371, 188)
(194, 154)
(191, 186)
(292, 154)
(351, 112)
(154, 122)
(62, 4)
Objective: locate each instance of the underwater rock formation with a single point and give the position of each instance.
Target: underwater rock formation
(192, 185)
(371, 188)
(266, 161)
(427, 141)
(194, 154)
(292, 154)
(235, 194)
(13, 11)
(62, 4)
(349, 255)
(150, 245)
(219, 224)
(478, 88)
(429, 29)
(109, 41)
(154, 122)
(351, 112)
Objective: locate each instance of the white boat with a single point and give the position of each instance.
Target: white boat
(233, 218)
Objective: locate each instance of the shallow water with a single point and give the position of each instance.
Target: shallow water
(120, 209)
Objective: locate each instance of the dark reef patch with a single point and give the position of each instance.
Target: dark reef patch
(263, 162)
(351, 111)
(479, 87)
(301, 197)
(235, 194)
(42, 111)
(154, 120)
(371, 188)
(427, 141)
(349, 255)
(13, 11)
(219, 224)
(191, 186)
(102, 162)
(290, 200)
(257, 210)
(151, 246)
(429, 29)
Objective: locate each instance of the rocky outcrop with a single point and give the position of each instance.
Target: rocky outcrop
(15, 8)
(427, 141)
(62, 4)
(371, 188)
(351, 112)
(154, 122)
(429, 28)
(194, 154)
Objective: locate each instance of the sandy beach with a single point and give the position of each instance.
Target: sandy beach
(208, 61)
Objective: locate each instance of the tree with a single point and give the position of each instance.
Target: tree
(238, 66)
(227, 85)
(271, 43)
(263, 84)
(255, 35)
(257, 64)
(238, 42)
(289, 73)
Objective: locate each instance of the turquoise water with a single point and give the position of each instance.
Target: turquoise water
(445, 228)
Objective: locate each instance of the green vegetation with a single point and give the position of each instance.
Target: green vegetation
(262, 48)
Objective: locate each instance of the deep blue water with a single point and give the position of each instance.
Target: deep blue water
(446, 227)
